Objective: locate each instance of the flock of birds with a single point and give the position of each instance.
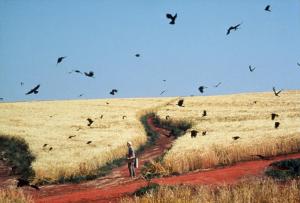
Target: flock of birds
(180, 103)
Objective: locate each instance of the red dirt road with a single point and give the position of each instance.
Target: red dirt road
(117, 184)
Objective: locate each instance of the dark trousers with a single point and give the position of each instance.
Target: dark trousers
(131, 169)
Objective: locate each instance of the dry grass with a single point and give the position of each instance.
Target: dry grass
(14, 196)
(255, 190)
(234, 115)
(73, 157)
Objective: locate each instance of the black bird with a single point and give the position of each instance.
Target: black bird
(124, 117)
(76, 71)
(276, 93)
(166, 80)
(267, 8)
(34, 90)
(274, 115)
(113, 91)
(167, 117)
(194, 133)
(172, 18)
(89, 74)
(162, 92)
(22, 83)
(50, 148)
(217, 85)
(90, 121)
(89, 142)
(233, 28)
(298, 64)
(80, 95)
(180, 103)
(276, 125)
(204, 113)
(101, 116)
(71, 136)
(251, 69)
(137, 55)
(45, 145)
(107, 103)
(22, 183)
(204, 133)
(235, 137)
(59, 60)
(201, 89)
(255, 102)
(1, 98)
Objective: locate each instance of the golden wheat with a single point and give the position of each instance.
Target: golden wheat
(14, 196)
(250, 191)
(245, 115)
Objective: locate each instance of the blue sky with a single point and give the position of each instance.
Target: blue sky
(104, 35)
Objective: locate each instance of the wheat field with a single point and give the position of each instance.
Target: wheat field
(52, 122)
(245, 115)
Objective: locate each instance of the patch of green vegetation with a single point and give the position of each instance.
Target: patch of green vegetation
(284, 170)
(15, 153)
(153, 187)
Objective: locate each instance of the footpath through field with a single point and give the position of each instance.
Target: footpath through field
(117, 184)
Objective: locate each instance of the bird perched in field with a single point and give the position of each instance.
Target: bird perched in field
(124, 117)
(251, 69)
(235, 28)
(45, 145)
(34, 90)
(276, 125)
(167, 117)
(60, 59)
(204, 113)
(217, 85)
(90, 121)
(89, 142)
(274, 115)
(194, 133)
(201, 89)
(50, 148)
(162, 92)
(172, 18)
(113, 91)
(71, 136)
(22, 182)
(276, 93)
(261, 157)
(204, 133)
(89, 74)
(236, 137)
(75, 71)
(101, 116)
(268, 8)
(137, 55)
(180, 103)
(107, 103)
(255, 102)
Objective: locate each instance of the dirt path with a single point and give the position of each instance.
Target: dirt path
(117, 184)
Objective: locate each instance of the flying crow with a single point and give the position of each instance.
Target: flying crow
(180, 103)
(276, 125)
(217, 85)
(276, 93)
(60, 59)
(90, 121)
(274, 115)
(204, 113)
(251, 69)
(194, 133)
(201, 89)
(34, 90)
(89, 74)
(268, 8)
(172, 18)
(162, 92)
(233, 28)
(113, 91)
(235, 137)
(89, 142)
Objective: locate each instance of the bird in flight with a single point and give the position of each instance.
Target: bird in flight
(90, 121)
(71, 136)
(194, 133)
(276, 93)
(137, 55)
(50, 148)
(166, 80)
(204, 133)
(113, 91)
(276, 125)
(123, 117)
(298, 63)
(180, 103)
(89, 142)
(162, 92)
(251, 69)
(167, 117)
(268, 8)
(236, 137)
(274, 115)
(80, 95)
(172, 18)
(76, 71)
(22, 83)
(45, 145)
(204, 113)
(217, 85)
(89, 74)
(34, 90)
(201, 89)
(60, 59)
(233, 28)
(1, 98)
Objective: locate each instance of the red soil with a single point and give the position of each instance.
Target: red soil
(117, 184)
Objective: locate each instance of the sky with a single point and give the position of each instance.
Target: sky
(104, 35)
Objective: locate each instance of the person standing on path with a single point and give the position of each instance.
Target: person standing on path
(131, 159)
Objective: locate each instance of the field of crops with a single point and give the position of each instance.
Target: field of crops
(247, 116)
(53, 122)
